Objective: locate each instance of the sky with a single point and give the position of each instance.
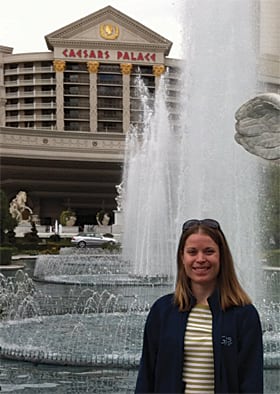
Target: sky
(25, 23)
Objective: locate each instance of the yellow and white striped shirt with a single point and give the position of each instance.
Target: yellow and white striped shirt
(198, 368)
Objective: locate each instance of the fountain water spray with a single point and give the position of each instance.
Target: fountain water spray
(216, 178)
(150, 189)
(199, 171)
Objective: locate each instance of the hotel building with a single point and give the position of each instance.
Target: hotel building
(65, 113)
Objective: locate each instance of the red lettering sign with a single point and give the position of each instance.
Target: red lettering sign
(132, 56)
(100, 54)
(92, 54)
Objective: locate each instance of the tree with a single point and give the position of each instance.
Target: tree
(32, 236)
(271, 207)
(7, 222)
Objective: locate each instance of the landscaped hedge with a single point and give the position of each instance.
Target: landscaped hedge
(273, 258)
(5, 255)
(45, 247)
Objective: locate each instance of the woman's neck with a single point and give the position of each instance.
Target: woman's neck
(202, 293)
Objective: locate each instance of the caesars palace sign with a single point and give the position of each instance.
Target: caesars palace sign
(113, 55)
(109, 31)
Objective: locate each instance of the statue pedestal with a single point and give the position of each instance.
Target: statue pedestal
(69, 230)
(118, 218)
(22, 228)
(117, 227)
(103, 229)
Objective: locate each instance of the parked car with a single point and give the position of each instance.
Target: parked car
(83, 240)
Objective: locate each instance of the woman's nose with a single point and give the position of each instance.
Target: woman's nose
(200, 257)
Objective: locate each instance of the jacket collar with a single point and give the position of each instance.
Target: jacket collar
(213, 301)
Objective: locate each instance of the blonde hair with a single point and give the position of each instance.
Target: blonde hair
(231, 292)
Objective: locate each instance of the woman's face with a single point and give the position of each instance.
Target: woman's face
(201, 259)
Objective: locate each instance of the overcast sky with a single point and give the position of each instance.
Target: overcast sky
(25, 23)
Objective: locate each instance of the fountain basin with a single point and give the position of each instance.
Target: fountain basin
(98, 339)
(91, 339)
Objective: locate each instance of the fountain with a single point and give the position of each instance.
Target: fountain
(151, 162)
(84, 312)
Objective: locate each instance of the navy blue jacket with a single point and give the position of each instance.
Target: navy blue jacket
(237, 344)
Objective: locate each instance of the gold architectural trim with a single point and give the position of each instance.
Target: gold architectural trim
(109, 32)
(126, 68)
(158, 70)
(59, 65)
(92, 67)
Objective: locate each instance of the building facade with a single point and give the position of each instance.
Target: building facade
(65, 113)
(269, 45)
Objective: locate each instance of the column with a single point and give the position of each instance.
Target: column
(2, 96)
(158, 70)
(92, 67)
(59, 67)
(126, 70)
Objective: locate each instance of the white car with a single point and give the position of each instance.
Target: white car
(83, 240)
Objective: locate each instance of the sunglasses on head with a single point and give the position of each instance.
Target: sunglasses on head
(196, 222)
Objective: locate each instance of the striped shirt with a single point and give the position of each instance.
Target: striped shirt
(198, 368)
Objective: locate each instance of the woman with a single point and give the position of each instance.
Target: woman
(206, 337)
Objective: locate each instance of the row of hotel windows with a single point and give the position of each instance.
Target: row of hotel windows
(77, 72)
(40, 66)
(103, 79)
(32, 102)
(69, 126)
(77, 90)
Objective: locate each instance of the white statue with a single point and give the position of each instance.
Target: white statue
(18, 208)
(102, 218)
(258, 126)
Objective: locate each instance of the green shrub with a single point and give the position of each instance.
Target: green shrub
(11, 237)
(108, 235)
(273, 258)
(32, 236)
(7, 222)
(5, 255)
(25, 245)
(55, 238)
(112, 247)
